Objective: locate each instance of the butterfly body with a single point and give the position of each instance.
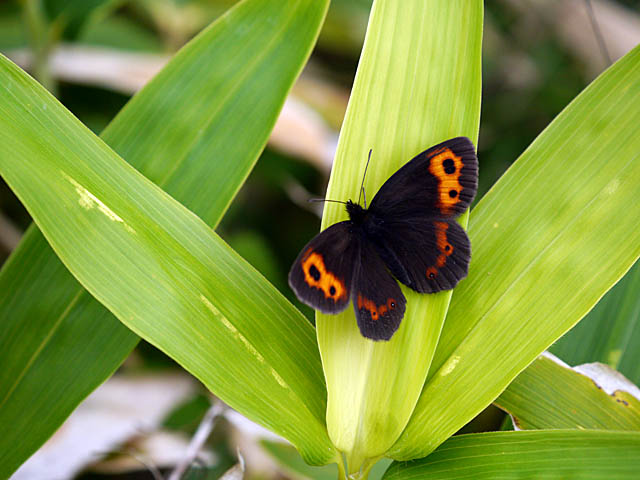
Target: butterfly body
(408, 232)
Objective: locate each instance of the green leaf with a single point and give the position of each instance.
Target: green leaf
(550, 395)
(418, 83)
(550, 238)
(610, 333)
(56, 350)
(72, 15)
(160, 270)
(544, 454)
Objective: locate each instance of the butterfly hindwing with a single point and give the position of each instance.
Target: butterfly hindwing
(377, 299)
(428, 255)
(442, 181)
(322, 274)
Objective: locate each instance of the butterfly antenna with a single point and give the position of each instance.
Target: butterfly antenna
(596, 29)
(362, 184)
(314, 200)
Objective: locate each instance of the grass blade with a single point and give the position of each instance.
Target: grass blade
(610, 333)
(160, 269)
(544, 454)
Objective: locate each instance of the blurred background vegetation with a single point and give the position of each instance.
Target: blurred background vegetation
(94, 54)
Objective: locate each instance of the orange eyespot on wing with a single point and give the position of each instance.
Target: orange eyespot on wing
(321, 275)
(377, 299)
(376, 311)
(317, 276)
(439, 182)
(446, 166)
(445, 249)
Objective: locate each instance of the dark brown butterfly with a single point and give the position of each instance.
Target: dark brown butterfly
(409, 231)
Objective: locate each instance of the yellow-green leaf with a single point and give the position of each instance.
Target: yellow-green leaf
(418, 83)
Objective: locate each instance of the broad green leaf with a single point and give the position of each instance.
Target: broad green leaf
(160, 270)
(418, 83)
(551, 237)
(544, 454)
(550, 395)
(610, 333)
(66, 331)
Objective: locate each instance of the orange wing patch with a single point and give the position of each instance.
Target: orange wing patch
(444, 247)
(317, 276)
(376, 311)
(446, 166)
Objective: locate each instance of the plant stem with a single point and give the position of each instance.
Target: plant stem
(342, 473)
(358, 466)
(201, 435)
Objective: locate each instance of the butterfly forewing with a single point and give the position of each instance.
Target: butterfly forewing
(440, 182)
(322, 274)
(377, 299)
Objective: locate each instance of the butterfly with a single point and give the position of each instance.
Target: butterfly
(408, 232)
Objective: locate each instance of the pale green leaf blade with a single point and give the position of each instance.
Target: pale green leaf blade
(544, 454)
(610, 333)
(550, 395)
(418, 83)
(68, 331)
(551, 237)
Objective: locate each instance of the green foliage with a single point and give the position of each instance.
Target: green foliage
(169, 132)
(546, 454)
(161, 270)
(543, 254)
(549, 239)
(550, 395)
(610, 333)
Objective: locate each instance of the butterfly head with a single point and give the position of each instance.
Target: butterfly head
(357, 214)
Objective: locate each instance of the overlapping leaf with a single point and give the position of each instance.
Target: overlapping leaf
(550, 395)
(544, 454)
(552, 236)
(172, 132)
(610, 333)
